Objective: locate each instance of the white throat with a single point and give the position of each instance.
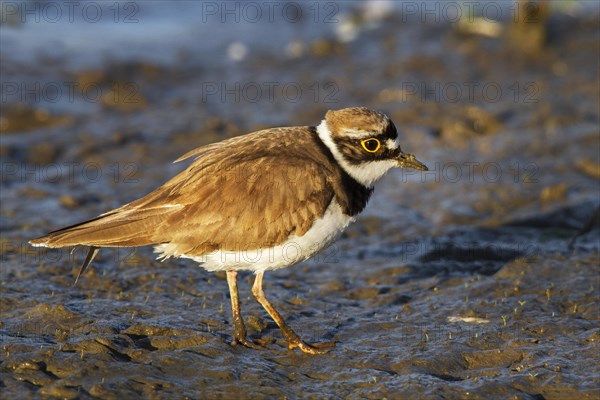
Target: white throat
(365, 173)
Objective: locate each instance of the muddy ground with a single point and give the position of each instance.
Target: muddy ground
(462, 282)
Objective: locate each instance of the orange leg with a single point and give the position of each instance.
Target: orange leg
(291, 336)
(239, 332)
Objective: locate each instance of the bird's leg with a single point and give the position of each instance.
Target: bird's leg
(291, 336)
(239, 332)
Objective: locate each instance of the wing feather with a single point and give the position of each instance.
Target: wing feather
(242, 193)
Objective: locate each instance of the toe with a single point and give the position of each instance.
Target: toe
(317, 348)
(246, 343)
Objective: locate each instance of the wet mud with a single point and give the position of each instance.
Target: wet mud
(477, 279)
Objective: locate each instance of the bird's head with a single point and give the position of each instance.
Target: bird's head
(365, 143)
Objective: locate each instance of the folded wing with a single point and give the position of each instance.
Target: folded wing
(230, 198)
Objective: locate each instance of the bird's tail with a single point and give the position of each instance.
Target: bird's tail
(117, 228)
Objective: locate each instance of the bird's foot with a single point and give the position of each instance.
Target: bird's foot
(245, 342)
(314, 348)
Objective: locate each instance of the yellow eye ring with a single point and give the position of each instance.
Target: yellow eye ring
(371, 145)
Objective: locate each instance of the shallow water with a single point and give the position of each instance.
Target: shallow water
(460, 282)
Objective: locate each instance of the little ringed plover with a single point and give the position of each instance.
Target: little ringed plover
(258, 202)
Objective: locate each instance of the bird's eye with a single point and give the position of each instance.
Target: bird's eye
(371, 145)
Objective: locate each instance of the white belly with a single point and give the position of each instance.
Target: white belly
(295, 249)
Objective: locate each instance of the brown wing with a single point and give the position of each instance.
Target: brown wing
(257, 205)
(245, 193)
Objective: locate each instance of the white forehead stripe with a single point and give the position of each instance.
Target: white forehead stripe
(391, 144)
(357, 134)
